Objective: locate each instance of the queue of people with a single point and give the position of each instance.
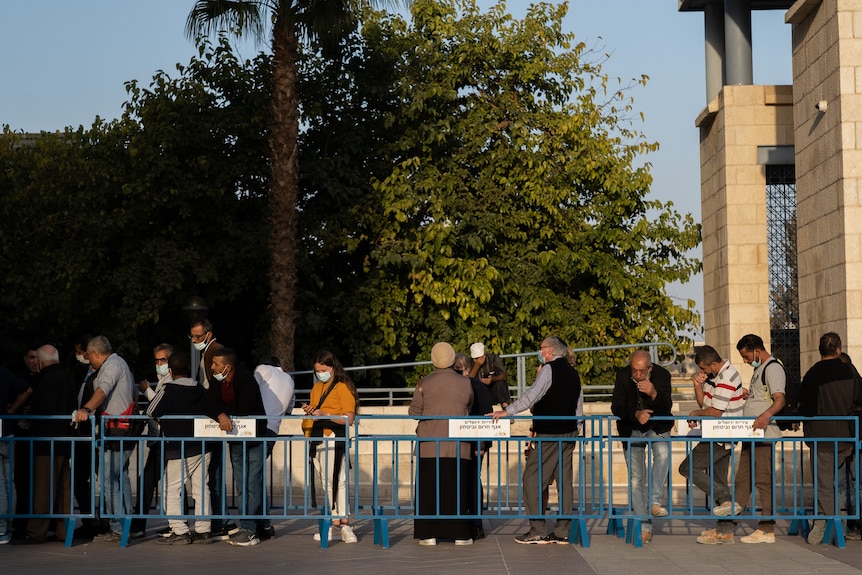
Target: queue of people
(448, 489)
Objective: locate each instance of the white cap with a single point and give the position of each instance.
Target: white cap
(477, 350)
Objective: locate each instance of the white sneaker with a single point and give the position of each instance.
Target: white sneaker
(430, 542)
(758, 537)
(331, 535)
(463, 542)
(347, 534)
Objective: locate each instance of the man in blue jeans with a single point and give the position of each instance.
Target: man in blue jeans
(114, 394)
(238, 395)
(642, 391)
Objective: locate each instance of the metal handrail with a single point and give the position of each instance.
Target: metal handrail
(403, 394)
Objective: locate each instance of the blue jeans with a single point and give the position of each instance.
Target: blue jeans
(118, 486)
(7, 486)
(642, 483)
(247, 461)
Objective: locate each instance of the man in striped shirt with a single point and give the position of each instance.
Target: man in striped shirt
(719, 393)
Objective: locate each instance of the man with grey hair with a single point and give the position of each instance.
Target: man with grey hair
(554, 393)
(148, 479)
(115, 394)
(53, 394)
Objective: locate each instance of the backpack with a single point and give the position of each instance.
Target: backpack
(791, 395)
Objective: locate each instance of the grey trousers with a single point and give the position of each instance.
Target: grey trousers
(556, 465)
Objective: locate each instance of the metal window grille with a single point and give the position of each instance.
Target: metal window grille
(783, 275)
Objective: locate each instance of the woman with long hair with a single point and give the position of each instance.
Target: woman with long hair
(333, 395)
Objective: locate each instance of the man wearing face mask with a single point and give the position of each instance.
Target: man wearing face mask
(83, 488)
(718, 391)
(556, 391)
(203, 339)
(149, 478)
(765, 400)
(237, 394)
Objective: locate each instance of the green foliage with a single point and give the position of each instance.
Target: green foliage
(111, 229)
(464, 177)
(514, 207)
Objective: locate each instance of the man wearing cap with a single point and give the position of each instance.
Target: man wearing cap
(442, 486)
(490, 370)
(554, 393)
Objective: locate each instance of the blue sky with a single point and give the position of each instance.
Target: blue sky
(64, 62)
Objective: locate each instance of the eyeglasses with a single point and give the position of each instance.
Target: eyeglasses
(644, 370)
(161, 360)
(198, 338)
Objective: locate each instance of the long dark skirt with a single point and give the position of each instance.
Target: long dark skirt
(450, 489)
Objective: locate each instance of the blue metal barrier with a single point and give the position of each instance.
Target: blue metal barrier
(381, 480)
(794, 495)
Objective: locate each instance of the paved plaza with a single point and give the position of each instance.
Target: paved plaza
(672, 551)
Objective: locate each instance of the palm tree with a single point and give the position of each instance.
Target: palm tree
(292, 21)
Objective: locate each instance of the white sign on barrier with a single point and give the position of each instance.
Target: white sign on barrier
(206, 427)
(479, 428)
(729, 429)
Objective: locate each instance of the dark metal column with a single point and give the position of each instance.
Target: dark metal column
(713, 21)
(737, 42)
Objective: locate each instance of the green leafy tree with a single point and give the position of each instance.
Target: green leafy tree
(111, 229)
(515, 206)
(292, 21)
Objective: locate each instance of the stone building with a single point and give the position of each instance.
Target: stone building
(780, 181)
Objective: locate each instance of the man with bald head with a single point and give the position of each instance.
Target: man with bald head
(642, 392)
(53, 394)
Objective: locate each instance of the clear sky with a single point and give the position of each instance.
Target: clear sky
(65, 62)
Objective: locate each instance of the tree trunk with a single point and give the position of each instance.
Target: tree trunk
(283, 136)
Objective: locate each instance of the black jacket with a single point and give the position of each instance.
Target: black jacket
(53, 394)
(830, 387)
(626, 400)
(181, 397)
(246, 401)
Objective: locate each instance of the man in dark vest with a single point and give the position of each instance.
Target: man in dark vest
(554, 393)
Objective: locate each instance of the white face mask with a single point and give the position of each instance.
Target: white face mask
(220, 376)
(161, 369)
(200, 346)
(541, 358)
(82, 359)
(322, 376)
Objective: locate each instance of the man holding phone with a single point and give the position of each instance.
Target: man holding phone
(642, 391)
(490, 370)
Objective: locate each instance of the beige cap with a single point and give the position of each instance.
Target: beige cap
(442, 355)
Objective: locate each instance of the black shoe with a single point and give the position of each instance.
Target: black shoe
(265, 533)
(244, 538)
(225, 532)
(166, 532)
(530, 539)
(554, 538)
(176, 539)
(202, 538)
(27, 540)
